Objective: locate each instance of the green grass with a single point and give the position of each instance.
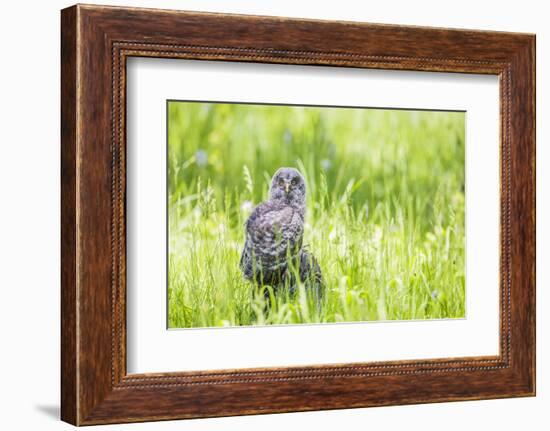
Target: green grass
(385, 211)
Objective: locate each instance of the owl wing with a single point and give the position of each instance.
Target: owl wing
(272, 230)
(310, 274)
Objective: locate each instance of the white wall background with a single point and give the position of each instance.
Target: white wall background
(29, 215)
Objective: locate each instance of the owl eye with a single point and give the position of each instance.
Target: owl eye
(281, 182)
(294, 181)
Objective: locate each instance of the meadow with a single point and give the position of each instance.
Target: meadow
(385, 211)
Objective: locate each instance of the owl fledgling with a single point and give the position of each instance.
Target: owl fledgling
(274, 238)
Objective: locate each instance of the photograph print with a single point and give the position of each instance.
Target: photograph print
(286, 214)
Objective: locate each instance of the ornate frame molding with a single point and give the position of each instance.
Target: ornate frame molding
(96, 41)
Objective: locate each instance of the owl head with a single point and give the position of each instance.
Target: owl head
(288, 184)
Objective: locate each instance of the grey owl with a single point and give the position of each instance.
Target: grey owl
(274, 238)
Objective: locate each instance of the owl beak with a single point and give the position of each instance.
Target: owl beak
(287, 187)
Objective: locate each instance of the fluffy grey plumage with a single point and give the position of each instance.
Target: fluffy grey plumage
(274, 237)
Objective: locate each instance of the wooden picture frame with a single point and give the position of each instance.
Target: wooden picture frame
(95, 43)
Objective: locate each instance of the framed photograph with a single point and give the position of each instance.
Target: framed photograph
(265, 215)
